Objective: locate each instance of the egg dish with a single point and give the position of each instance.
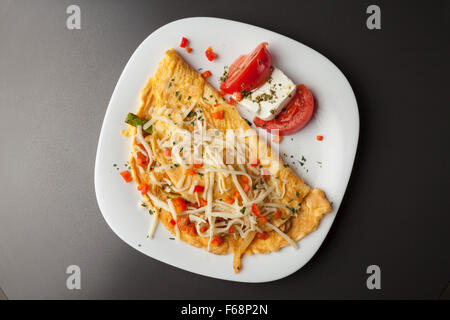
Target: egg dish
(207, 176)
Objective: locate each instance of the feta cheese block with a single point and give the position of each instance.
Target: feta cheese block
(269, 99)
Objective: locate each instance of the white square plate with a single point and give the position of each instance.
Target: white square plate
(328, 163)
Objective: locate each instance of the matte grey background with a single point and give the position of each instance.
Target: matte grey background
(55, 85)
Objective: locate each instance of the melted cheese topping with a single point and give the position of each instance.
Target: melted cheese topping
(215, 150)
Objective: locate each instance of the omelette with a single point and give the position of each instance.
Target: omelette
(207, 176)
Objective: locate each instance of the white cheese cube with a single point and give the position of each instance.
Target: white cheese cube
(269, 99)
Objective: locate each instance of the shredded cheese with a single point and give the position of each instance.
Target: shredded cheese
(215, 149)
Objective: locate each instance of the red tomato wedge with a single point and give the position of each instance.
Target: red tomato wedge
(249, 72)
(294, 117)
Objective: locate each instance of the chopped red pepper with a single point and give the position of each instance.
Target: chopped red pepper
(210, 54)
(126, 175)
(141, 159)
(255, 164)
(231, 230)
(184, 42)
(189, 49)
(190, 171)
(237, 195)
(199, 188)
(245, 180)
(320, 138)
(238, 96)
(168, 152)
(179, 205)
(229, 200)
(256, 211)
(262, 235)
(217, 114)
(231, 101)
(278, 214)
(246, 188)
(206, 74)
(197, 165)
(195, 205)
(203, 202)
(217, 241)
(203, 229)
(185, 224)
(172, 222)
(143, 188)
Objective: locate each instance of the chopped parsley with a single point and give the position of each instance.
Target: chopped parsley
(292, 209)
(192, 114)
(224, 75)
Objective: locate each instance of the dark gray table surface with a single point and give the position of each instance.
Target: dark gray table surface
(55, 85)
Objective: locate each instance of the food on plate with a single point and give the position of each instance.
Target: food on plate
(225, 196)
(248, 72)
(206, 74)
(269, 99)
(184, 42)
(210, 54)
(267, 92)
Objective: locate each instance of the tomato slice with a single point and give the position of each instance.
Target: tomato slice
(236, 64)
(249, 72)
(295, 116)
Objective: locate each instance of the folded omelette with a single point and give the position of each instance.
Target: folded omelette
(207, 176)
